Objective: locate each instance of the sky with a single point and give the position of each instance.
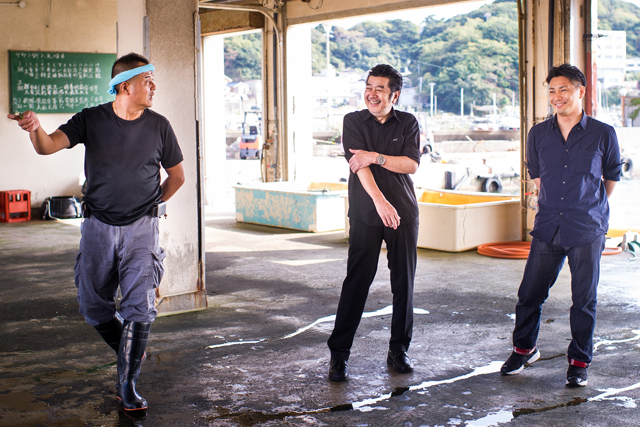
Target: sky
(418, 15)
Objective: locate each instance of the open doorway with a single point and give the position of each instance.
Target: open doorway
(233, 122)
(460, 68)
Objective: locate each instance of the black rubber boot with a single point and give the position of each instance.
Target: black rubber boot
(111, 332)
(130, 357)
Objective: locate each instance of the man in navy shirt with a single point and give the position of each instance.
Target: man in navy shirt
(382, 146)
(574, 162)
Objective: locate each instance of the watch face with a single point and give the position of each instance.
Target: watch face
(381, 159)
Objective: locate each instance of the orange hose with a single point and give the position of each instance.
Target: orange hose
(612, 251)
(520, 250)
(511, 250)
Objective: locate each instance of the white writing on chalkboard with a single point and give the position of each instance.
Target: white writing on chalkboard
(54, 104)
(40, 55)
(59, 70)
(53, 89)
(59, 82)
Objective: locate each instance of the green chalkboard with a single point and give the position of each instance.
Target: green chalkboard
(59, 82)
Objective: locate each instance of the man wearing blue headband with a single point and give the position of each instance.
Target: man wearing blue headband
(125, 146)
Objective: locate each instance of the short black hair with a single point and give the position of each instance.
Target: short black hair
(569, 71)
(386, 70)
(127, 62)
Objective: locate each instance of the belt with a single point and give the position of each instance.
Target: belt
(158, 210)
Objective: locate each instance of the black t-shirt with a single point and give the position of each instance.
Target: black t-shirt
(122, 160)
(399, 135)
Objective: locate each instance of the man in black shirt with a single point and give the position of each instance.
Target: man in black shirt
(125, 146)
(382, 146)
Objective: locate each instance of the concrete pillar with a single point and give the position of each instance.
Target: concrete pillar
(172, 49)
(299, 102)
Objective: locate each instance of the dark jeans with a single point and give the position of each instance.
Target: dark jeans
(362, 264)
(543, 266)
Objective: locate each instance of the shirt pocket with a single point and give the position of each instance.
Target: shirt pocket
(395, 145)
(589, 162)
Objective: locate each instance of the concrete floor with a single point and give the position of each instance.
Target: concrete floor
(258, 355)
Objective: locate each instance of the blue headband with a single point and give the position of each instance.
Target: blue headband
(126, 75)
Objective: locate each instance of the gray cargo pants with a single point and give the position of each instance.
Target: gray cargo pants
(127, 256)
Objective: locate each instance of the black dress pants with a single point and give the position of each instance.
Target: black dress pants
(364, 250)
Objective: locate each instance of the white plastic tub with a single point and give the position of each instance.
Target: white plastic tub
(454, 221)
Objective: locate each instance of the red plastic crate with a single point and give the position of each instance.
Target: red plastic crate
(15, 205)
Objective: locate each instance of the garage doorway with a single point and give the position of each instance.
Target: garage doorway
(232, 111)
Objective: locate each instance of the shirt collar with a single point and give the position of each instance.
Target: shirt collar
(368, 115)
(582, 122)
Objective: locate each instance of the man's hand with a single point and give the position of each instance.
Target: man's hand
(387, 213)
(361, 159)
(42, 143)
(28, 120)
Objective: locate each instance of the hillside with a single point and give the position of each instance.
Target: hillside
(477, 51)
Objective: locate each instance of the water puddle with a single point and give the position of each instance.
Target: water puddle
(607, 394)
(382, 312)
(251, 418)
(596, 345)
(491, 420)
(491, 368)
(525, 411)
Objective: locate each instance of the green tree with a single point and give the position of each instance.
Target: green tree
(477, 52)
(618, 15)
(243, 57)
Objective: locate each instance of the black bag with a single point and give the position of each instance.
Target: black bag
(61, 207)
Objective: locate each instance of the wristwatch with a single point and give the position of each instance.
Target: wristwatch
(381, 159)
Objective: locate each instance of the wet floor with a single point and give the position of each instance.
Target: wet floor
(258, 356)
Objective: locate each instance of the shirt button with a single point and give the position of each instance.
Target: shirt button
(566, 151)
(560, 213)
(561, 198)
(565, 166)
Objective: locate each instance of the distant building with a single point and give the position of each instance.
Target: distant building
(611, 58)
(633, 65)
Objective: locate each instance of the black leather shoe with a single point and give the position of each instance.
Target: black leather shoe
(400, 361)
(338, 370)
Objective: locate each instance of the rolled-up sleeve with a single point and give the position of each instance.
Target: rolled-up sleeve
(611, 164)
(411, 147)
(352, 138)
(532, 161)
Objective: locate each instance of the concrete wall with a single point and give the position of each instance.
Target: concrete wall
(69, 26)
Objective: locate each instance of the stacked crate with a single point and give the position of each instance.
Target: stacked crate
(15, 205)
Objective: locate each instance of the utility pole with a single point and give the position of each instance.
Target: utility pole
(327, 30)
(431, 102)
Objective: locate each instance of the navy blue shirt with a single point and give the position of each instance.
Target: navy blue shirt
(399, 135)
(572, 199)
